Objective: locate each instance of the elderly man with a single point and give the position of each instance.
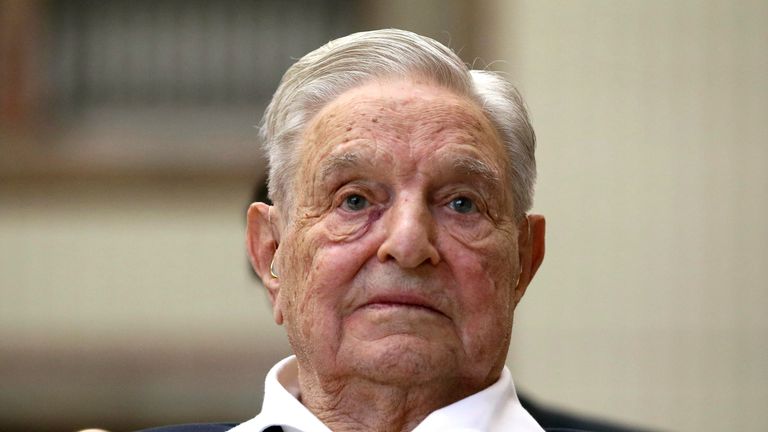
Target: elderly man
(398, 245)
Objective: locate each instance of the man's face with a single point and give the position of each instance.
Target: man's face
(399, 261)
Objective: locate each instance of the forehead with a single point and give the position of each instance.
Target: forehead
(391, 119)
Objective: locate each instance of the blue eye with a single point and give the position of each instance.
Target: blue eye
(355, 202)
(462, 205)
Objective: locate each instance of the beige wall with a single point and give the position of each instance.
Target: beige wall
(125, 299)
(653, 144)
(127, 303)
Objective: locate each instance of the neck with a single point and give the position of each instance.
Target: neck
(354, 404)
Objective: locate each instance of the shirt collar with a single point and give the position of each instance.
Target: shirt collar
(494, 408)
(281, 405)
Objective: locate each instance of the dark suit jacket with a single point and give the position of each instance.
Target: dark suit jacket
(557, 420)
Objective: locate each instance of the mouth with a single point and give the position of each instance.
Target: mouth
(402, 302)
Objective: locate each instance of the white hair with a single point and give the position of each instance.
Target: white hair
(327, 72)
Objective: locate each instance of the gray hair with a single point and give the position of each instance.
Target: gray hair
(342, 64)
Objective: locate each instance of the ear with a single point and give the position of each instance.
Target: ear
(530, 244)
(262, 240)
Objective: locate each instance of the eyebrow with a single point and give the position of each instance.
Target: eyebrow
(465, 164)
(476, 167)
(335, 163)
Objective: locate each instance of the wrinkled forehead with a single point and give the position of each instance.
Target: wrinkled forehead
(402, 98)
(423, 117)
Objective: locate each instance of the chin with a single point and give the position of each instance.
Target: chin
(404, 362)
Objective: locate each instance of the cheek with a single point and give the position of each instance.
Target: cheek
(477, 231)
(341, 228)
(484, 254)
(323, 273)
(472, 233)
(485, 273)
(295, 267)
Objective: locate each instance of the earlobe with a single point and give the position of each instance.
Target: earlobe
(262, 243)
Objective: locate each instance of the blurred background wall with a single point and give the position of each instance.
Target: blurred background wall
(128, 155)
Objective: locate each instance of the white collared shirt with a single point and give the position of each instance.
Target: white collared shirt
(495, 408)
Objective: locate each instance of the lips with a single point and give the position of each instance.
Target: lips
(401, 301)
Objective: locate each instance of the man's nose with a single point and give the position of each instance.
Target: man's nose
(411, 234)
